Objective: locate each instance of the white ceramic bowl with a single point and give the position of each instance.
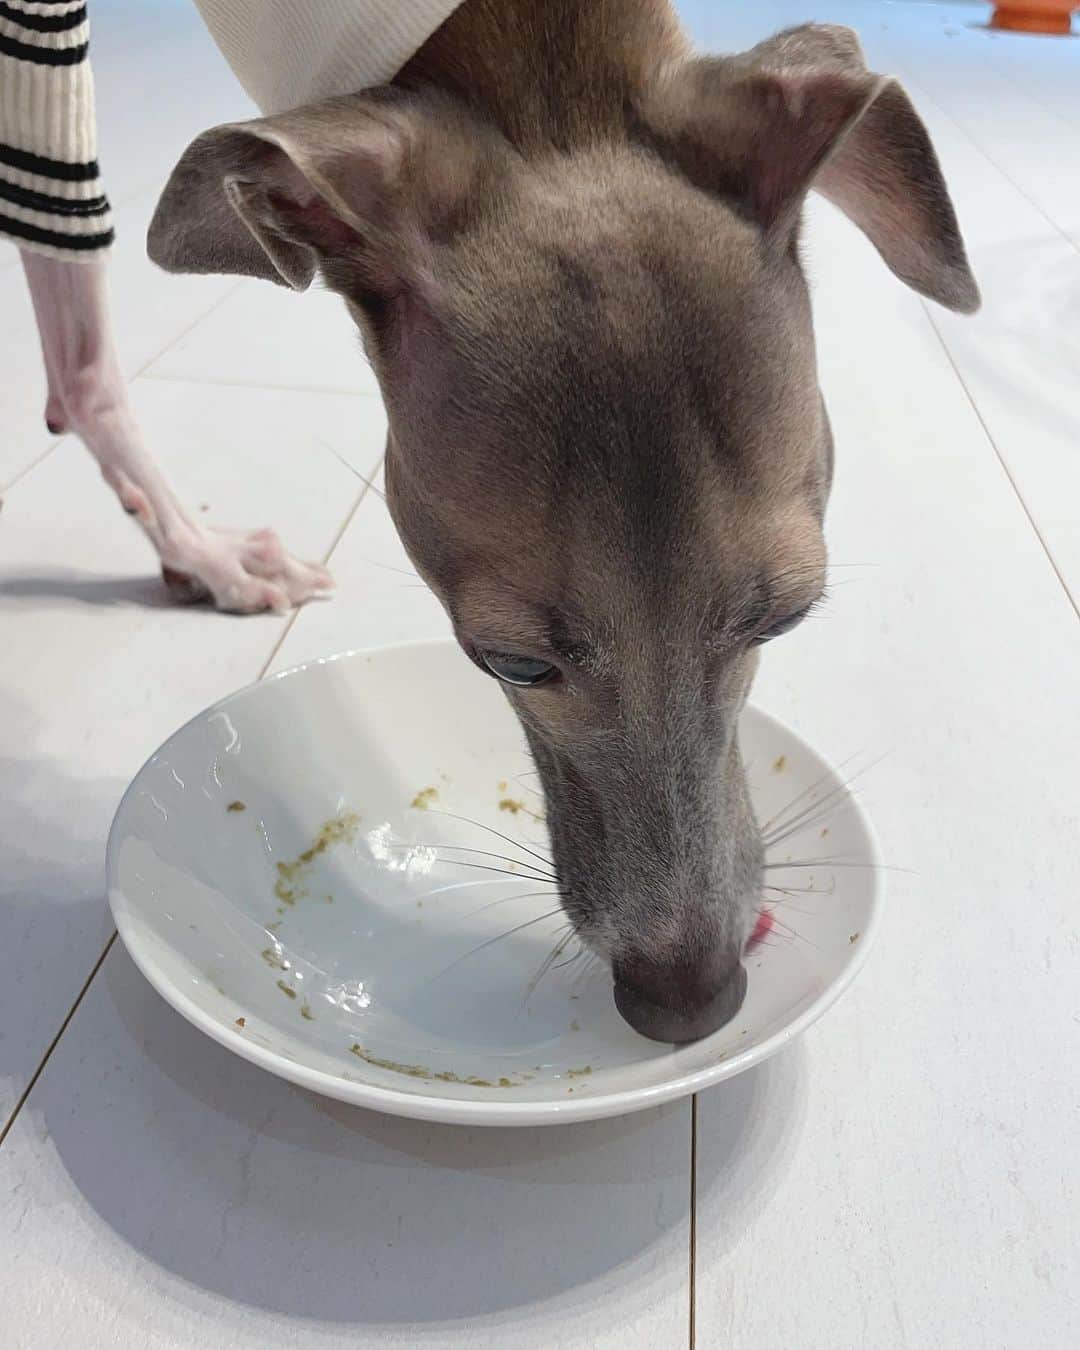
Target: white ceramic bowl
(287, 873)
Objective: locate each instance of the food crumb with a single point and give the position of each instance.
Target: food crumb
(306, 1013)
(516, 807)
(420, 1071)
(503, 785)
(425, 797)
(286, 990)
(575, 1025)
(825, 832)
(241, 1022)
(340, 829)
(780, 764)
(236, 806)
(579, 1073)
(853, 937)
(274, 959)
(204, 506)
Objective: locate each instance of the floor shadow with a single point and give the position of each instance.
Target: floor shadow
(65, 585)
(267, 1195)
(54, 921)
(747, 1134)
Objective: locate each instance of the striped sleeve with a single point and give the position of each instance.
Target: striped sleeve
(51, 196)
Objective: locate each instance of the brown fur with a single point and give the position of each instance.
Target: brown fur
(572, 248)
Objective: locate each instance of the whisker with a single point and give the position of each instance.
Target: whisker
(834, 862)
(592, 963)
(480, 853)
(351, 467)
(503, 871)
(799, 890)
(795, 934)
(401, 571)
(830, 810)
(526, 895)
(467, 885)
(779, 821)
(801, 821)
(514, 843)
(570, 960)
(549, 961)
(789, 908)
(550, 914)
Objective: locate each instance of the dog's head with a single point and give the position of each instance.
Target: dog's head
(608, 453)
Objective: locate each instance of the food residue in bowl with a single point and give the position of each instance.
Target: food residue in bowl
(424, 798)
(274, 958)
(431, 1075)
(286, 989)
(241, 1022)
(779, 765)
(306, 1013)
(338, 830)
(515, 807)
(854, 937)
(236, 806)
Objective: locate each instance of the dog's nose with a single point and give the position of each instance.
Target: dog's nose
(680, 1001)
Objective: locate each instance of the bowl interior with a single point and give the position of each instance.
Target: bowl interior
(341, 874)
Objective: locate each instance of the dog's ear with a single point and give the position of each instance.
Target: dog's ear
(801, 111)
(363, 184)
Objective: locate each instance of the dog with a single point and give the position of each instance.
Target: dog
(571, 246)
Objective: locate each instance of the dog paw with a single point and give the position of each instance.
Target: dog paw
(242, 572)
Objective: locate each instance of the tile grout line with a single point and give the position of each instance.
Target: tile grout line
(185, 331)
(24, 1096)
(693, 1221)
(349, 517)
(1002, 462)
(129, 380)
(1070, 123)
(21, 1102)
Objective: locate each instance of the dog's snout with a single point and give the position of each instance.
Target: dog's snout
(679, 1001)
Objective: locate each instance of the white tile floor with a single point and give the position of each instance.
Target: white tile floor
(904, 1176)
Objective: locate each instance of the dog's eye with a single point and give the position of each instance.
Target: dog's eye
(784, 626)
(523, 671)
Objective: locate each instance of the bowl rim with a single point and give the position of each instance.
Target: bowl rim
(417, 1105)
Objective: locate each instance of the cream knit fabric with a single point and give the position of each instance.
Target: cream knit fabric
(284, 53)
(289, 52)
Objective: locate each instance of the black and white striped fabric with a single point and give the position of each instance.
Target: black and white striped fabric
(51, 196)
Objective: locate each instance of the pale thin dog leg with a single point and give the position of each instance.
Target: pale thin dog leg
(241, 571)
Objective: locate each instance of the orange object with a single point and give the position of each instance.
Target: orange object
(1034, 16)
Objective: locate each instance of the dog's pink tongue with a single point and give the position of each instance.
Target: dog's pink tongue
(761, 929)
